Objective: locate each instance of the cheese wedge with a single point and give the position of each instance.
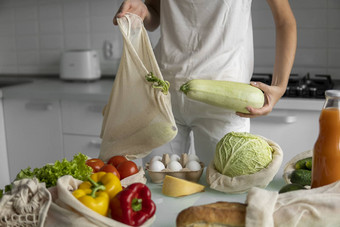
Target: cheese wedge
(176, 187)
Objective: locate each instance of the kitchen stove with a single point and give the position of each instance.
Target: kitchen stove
(306, 86)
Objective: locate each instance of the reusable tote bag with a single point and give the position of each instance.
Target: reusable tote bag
(138, 116)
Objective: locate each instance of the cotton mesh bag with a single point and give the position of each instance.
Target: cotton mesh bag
(138, 116)
(27, 204)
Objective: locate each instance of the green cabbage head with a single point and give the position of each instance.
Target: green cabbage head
(241, 153)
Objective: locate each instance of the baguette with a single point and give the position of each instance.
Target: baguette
(226, 214)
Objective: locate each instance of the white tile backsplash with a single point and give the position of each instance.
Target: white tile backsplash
(334, 58)
(50, 11)
(22, 14)
(29, 27)
(51, 42)
(311, 57)
(77, 41)
(28, 58)
(308, 4)
(6, 43)
(334, 38)
(7, 30)
(8, 58)
(311, 18)
(311, 38)
(50, 27)
(43, 29)
(77, 25)
(76, 8)
(25, 43)
(332, 4)
(333, 18)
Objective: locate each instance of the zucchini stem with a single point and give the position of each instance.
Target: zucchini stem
(185, 88)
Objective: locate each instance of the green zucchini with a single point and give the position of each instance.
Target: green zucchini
(226, 94)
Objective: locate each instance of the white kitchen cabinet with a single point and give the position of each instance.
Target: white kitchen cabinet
(294, 130)
(4, 171)
(89, 145)
(33, 133)
(82, 121)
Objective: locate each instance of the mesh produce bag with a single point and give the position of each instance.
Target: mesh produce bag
(26, 205)
(138, 116)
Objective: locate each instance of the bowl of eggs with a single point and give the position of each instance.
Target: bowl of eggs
(186, 166)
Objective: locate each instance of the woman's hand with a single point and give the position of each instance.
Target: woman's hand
(148, 11)
(132, 6)
(272, 94)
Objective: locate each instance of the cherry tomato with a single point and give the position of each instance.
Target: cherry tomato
(95, 164)
(116, 160)
(110, 169)
(127, 168)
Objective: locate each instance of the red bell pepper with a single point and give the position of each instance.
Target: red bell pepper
(133, 205)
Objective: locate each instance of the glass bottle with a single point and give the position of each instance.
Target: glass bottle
(326, 152)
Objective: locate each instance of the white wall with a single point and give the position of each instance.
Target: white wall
(34, 33)
(318, 23)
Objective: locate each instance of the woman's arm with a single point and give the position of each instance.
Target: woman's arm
(286, 39)
(148, 11)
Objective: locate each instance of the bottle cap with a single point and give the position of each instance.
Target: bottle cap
(332, 93)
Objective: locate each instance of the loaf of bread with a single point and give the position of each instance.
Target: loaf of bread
(227, 214)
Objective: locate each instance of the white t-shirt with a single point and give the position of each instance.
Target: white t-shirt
(206, 39)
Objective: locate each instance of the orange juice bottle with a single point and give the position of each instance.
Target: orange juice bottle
(326, 152)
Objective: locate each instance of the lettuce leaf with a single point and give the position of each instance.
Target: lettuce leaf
(50, 173)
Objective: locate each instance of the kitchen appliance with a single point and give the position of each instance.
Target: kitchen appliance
(306, 86)
(80, 65)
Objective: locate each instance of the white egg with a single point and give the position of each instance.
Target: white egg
(156, 166)
(175, 166)
(193, 157)
(174, 157)
(156, 158)
(193, 165)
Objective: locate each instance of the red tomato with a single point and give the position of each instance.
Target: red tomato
(110, 169)
(116, 160)
(95, 164)
(127, 168)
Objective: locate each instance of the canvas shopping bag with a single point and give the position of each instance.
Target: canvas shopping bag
(301, 208)
(243, 183)
(138, 116)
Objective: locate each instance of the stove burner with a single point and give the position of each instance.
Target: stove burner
(301, 86)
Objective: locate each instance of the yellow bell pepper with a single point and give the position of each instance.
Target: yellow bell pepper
(96, 201)
(98, 190)
(109, 180)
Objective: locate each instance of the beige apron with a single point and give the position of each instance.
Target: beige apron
(207, 40)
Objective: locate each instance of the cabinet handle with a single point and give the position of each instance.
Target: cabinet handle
(95, 143)
(289, 119)
(39, 106)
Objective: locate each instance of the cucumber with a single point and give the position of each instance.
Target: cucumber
(291, 187)
(301, 176)
(309, 164)
(305, 163)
